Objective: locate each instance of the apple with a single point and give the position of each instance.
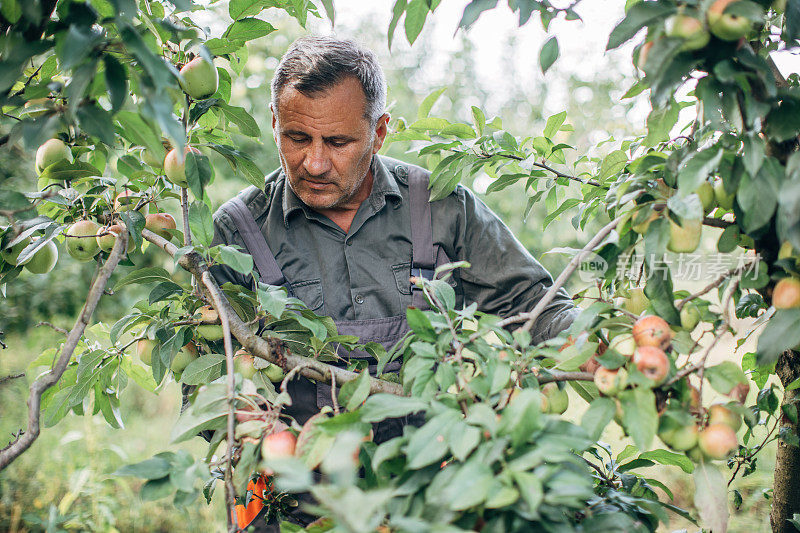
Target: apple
(200, 78)
(636, 302)
(786, 294)
(210, 328)
(10, 255)
(706, 194)
(786, 251)
(643, 52)
(555, 400)
(641, 227)
(610, 382)
(151, 159)
(106, 237)
(690, 29)
(280, 445)
(717, 441)
(243, 364)
(722, 196)
(719, 414)
(651, 330)
(51, 152)
(127, 200)
(160, 223)
(695, 454)
(678, 437)
(144, 350)
(690, 317)
(44, 259)
(274, 373)
(80, 242)
(652, 362)
(624, 344)
(727, 26)
(186, 355)
(175, 165)
(685, 237)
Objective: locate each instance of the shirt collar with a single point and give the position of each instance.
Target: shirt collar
(384, 185)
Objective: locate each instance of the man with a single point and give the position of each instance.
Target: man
(344, 229)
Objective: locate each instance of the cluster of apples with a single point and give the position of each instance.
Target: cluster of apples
(710, 435)
(696, 30)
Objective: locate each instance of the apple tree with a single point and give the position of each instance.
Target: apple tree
(127, 105)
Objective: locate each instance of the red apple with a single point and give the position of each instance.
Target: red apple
(651, 330)
(160, 223)
(652, 362)
(280, 445)
(720, 414)
(717, 441)
(786, 294)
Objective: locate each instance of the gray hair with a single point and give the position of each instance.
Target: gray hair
(316, 63)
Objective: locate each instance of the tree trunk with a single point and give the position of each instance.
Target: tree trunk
(786, 488)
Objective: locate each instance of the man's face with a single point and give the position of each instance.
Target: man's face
(326, 145)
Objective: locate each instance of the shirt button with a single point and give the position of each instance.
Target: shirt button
(359, 299)
(348, 242)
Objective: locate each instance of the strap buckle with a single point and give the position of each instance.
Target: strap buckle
(426, 273)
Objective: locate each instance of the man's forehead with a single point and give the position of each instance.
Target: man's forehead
(346, 92)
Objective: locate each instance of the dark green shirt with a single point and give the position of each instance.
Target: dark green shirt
(364, 273)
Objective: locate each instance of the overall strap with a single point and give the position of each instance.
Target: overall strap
(256, 244)
(423, 260)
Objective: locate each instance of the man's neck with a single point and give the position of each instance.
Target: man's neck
(343, 215)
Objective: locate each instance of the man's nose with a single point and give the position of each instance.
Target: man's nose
(317, 161)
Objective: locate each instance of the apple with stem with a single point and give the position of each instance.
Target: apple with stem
(106, 237)
(200, 78)
(80, 240)
(209, 328)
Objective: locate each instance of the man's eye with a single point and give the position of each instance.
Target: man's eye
(297, 139)
(338, 144)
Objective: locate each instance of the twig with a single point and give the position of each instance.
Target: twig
(717, 222)
(50, 378)
(540, 165)
(230, 490)
(13, 376)
(187, 234)
(553, 376)
(53, 327)
(716, 283)
(334, 400)
(545, 300)
(313, 369)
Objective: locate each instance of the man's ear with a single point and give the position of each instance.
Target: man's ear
(274, 124)
(381, 128)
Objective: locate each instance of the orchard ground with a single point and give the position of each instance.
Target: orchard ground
(68, 473)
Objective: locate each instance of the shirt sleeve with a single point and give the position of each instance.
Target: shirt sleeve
(504, 278)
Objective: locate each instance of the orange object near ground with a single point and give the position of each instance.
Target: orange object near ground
(245, 515)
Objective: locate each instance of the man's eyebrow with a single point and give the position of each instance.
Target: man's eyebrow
(295, 132)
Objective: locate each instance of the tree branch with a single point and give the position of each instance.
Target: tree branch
(717, 222)
(216, 299)
(13, 376)
(714, 284)
(316, 370)
(50, 378)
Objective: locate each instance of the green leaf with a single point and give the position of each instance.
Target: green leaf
(198, 173)
(273, 301)
(382, 406)
(639, 415)
(57, 407)
(247, 29)
(246, 8)
(204, 369)
(243, 120)
(666, 457)
(163, 290)
(711, 496)
(548, 54)
(11, 10)
(137, 131)
(144, 275)
(638, 16)
(239, 261)
(554, 123)
(416, 13)
(426, 105)
(696, 170)
(780, 334)
(725, 376)
(353, 393)
(530, 487)
(221, 47)
(598, 416)
(201, 223)
(758, 197)
(153, 468)
(468, 487)
(429, 444)
(473, 10)
(155, 489)
(66, 171)
(612, 164)
(139, 374)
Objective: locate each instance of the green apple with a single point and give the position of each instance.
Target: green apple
(685, 237)
(186, 355)
(244, 364)
(106, 237)
(723, 197)
(144, 350)
(555, 400)
(706, 194)
(175, 166)
(151, 159)
(10, 255)
(274, 373)
(643, 224)
(610, 382)
(727, 26)
(51, 152)
(786, 251)
(624, 344)
(637, 302)
(690, 29)
(44, 259)
(720, 414)
(81, 240)
(678, 437)
(690, 317)
(200, 78)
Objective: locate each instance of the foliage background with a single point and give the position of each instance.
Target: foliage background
(65, 482)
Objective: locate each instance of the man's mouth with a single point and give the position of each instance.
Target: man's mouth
(315, 184)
